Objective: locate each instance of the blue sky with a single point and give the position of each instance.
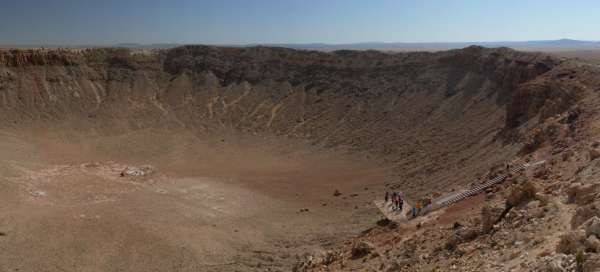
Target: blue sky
(294, 21)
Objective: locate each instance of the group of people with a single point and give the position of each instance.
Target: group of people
(397, 200)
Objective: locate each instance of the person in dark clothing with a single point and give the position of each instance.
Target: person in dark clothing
(400, 204)
(387, 196)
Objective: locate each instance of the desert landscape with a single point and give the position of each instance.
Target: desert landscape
(202, 158)
(302, 136)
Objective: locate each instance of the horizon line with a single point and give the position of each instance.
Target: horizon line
(299, 44)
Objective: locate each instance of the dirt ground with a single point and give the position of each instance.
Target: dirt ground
(211, 205)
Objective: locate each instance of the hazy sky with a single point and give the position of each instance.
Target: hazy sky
(294, 21)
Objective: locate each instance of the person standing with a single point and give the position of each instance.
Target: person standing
(418, 206)
(387, 195)
(398, 205)
(401, 204)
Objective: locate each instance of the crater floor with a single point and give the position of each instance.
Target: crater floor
(219, 204)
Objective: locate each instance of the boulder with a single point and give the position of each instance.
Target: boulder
(583, 213)
(592, 226)
(533, 205)
(581, 194)
(592, 244)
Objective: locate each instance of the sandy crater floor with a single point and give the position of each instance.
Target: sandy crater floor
(209, 205)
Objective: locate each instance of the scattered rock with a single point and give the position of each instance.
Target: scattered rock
(337, 193)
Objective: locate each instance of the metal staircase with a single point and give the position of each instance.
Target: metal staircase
(457, 197)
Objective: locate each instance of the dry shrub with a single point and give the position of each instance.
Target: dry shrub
(571, 242)
(521, 194)
(362, 249)
(489, 217)
(534, 141)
